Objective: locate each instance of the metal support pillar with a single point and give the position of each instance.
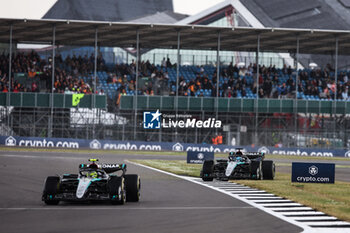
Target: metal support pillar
(136, 79)
(95, 87)
(336, 81)
(336, 67)
(257, 92)
(296, 91)
(217, 77)
(52, 79)
(9, 88)
(177, 80)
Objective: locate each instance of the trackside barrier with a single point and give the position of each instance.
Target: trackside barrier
(11, 141)
(313, 172)
(199, 157)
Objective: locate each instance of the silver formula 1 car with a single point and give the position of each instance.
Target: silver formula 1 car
(239, 165)
(94, 182)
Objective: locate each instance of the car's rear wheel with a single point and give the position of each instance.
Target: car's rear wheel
(207, 170)
(133, 186)
(51, 188)
(269, 169)
(116, 187)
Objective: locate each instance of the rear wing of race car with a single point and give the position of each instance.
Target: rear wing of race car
(107, 167)
(111, 167)
(255, 155)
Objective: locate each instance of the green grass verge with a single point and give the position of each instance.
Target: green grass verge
(88, 151)
(332, 199)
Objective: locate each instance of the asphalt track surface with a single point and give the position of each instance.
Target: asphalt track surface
(168, 204)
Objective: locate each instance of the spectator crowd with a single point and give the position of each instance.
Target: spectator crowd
(234, 81)
(37, 73)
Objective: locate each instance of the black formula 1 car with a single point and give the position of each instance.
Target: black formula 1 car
(239, 165)
(94, 182)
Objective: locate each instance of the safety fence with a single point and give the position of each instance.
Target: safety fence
(233, 104)
(13, 141)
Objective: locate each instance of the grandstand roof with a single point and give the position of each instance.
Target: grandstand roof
(320, 14)
(167, 17)
(106, 10)
(165, 36)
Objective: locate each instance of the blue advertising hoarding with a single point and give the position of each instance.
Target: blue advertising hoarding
(313, 172)
(199, 157)
(162, 146)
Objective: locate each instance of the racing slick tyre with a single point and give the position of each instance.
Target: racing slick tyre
(268, 168)
(207, 171)
(132, 187)
(116, 187)
(257, 172)
(51, 188)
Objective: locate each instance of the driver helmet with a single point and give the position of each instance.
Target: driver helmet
(239, 153)
(231, 155)
(93, 165)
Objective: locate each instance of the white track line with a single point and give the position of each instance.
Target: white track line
(315, 218)
(246, 191)
(304, 213)
(234, 188)
(262, 202)
(267, 198)
(281, 204)
(325, 223)
(291, 208)
(258, 195)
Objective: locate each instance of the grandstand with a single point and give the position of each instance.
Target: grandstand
(284, 118)
(195, 80)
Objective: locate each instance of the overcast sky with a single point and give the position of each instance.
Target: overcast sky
(35, 9)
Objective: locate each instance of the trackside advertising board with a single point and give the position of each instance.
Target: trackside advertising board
(105, 144)
(313, 172)
(199, 157)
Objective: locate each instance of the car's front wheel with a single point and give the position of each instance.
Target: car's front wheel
(259, 172)
(133, 186)
(268, 168)
(51, 188)
(116, 186)
(256, 169)
(207, 170)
